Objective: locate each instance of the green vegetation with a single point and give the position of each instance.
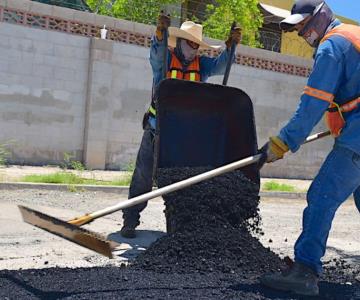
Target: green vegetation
(246, 14)
(142, 11)
(4, 154)
(274, 186)
(70, 163)
(73, 179)
(217, 17)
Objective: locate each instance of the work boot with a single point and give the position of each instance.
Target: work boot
(128, 232)
(299, 279)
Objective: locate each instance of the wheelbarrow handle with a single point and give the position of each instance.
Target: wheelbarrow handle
(165, 55)
(229, 62)
(179, 185)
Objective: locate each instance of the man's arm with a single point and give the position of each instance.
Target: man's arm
(157, 49)
(217, 66)
(321, 89)
(210, 66)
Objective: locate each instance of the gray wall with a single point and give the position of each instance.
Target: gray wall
(43, 79)
(66, 93)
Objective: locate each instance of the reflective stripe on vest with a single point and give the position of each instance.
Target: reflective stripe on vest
(173, 74)
(152, 110)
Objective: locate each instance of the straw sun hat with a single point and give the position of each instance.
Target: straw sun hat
(189, 31)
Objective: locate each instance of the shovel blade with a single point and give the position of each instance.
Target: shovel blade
(83, 237)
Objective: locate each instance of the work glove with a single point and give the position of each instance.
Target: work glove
(234, 37)
(163, 23)
(274, 149)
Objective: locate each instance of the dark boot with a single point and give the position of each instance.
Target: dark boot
(128, 229)
(299, 279)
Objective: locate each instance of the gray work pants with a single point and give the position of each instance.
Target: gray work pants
(142, 179)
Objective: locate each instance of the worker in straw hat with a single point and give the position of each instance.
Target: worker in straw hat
(332, 90)
(184, 63)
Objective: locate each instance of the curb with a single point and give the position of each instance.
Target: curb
(283, 195)
(121, 190)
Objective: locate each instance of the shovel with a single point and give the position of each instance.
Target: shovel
(72, 231)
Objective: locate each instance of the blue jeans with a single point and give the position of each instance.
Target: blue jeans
(339, 176)
(142, 179)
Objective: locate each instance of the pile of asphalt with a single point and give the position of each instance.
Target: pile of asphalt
(213, 228)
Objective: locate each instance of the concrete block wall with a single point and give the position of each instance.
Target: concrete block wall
(43, 80)
(68, 93)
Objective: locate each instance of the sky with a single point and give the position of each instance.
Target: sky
(346, 8)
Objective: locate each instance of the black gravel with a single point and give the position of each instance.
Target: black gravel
(211, 253)
(127, 283)
(210, 227)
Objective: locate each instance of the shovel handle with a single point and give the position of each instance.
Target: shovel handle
(166, 189)
(316, 136)
(179, 185)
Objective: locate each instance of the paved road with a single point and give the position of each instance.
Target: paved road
(23, 246)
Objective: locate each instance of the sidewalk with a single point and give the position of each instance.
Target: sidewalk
(14, 173)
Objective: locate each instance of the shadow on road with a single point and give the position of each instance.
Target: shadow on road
(130, 248)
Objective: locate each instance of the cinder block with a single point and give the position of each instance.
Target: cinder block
(44, 47)
(21, 68)
(144, 29)
(84, 17)
(63, 51)
(124, 25)
(44, 71)
(40, 8)
(75, 86)
(64, 74)
(63, 12)
(4, 41)
(4, 66)
(105, 20)
(103, 45)
(19, 4)
(21, 44)
(4, 89)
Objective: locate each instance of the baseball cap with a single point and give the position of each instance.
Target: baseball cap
(300, 11)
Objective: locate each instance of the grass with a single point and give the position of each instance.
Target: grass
(73, 179)
(274, 186)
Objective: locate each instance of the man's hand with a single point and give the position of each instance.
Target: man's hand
(274, 149)
(234, 37)
(163, 23)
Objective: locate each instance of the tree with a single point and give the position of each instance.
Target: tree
(142, 11)
(217, 18)
(221, 15)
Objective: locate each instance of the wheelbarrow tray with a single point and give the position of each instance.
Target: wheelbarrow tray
(203, 124)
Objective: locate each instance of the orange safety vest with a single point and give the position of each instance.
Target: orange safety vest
(177, 71)
(333, 117)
